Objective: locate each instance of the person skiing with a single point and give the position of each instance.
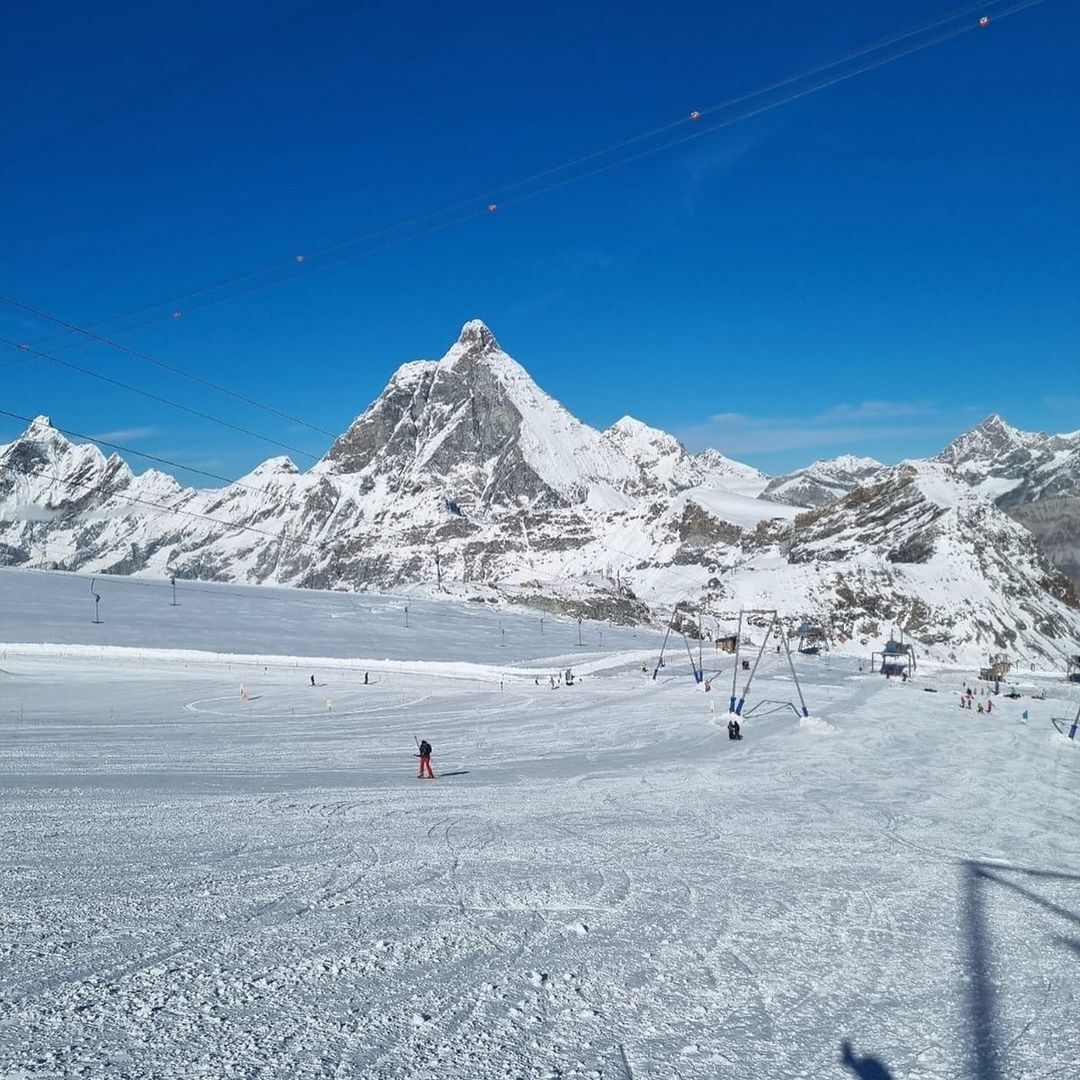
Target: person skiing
(365, 678)
(312, 680)
(981, 710)
(733, 731)
(989, 705)
(425, 761)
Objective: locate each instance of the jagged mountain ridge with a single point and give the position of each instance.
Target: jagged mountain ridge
(1034, 477)
(466, 464)
(920, 550)
(1016, 467)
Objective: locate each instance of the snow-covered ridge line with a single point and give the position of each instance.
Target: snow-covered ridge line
(582, 664)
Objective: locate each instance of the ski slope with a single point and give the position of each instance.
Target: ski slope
(599, 884)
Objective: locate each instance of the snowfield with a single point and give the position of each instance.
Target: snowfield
(599, 883)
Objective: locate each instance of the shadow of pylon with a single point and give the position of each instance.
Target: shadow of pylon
(987, 1058)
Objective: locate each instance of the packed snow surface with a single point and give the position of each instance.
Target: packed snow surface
(197, 882)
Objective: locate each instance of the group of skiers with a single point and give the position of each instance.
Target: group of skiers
(554, 681)
(967, 699)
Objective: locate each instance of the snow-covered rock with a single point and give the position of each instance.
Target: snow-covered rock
(823, 481)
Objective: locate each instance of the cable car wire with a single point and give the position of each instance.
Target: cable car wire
(297, 263)
(158, 398)
(173, 368)
(230, 481)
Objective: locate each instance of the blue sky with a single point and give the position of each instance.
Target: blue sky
(871, 269)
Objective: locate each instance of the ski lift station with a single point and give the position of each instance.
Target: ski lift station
(1072, 669)
(812, 639)
(997, 670)
(897, 658)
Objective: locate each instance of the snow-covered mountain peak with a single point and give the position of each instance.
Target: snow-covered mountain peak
(823, 481)
(634, 436)
(851, 463)
(42, 444)
(283, 465)
(991, 439)
(721, 465)
(476, 334)
(631, 425)
(476, 344)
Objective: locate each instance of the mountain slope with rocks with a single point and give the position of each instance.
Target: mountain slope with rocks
(1032, 476)
(920, 552)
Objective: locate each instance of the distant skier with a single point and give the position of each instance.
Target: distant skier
(312, 680)
(365, 678)
(981, 710)
(425, 761)
(989, 705)
(733, 731)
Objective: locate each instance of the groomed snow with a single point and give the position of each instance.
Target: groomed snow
(598, 885)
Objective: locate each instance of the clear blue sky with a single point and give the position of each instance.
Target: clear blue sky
(872, 268)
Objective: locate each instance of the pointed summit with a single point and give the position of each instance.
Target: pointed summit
(476, 336)
(990, 441)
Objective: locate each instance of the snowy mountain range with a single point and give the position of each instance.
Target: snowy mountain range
(465, 475)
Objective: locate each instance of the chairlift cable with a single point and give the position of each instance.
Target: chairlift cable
(302, 259)
(158, 398)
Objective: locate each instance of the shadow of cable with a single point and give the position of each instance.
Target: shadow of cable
(866, 1068)
(987, 1058)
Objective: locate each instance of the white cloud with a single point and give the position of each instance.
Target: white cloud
(840, 425)
(126, 434)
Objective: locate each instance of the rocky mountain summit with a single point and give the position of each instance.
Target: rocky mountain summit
(1032, 476)
(464, 475)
